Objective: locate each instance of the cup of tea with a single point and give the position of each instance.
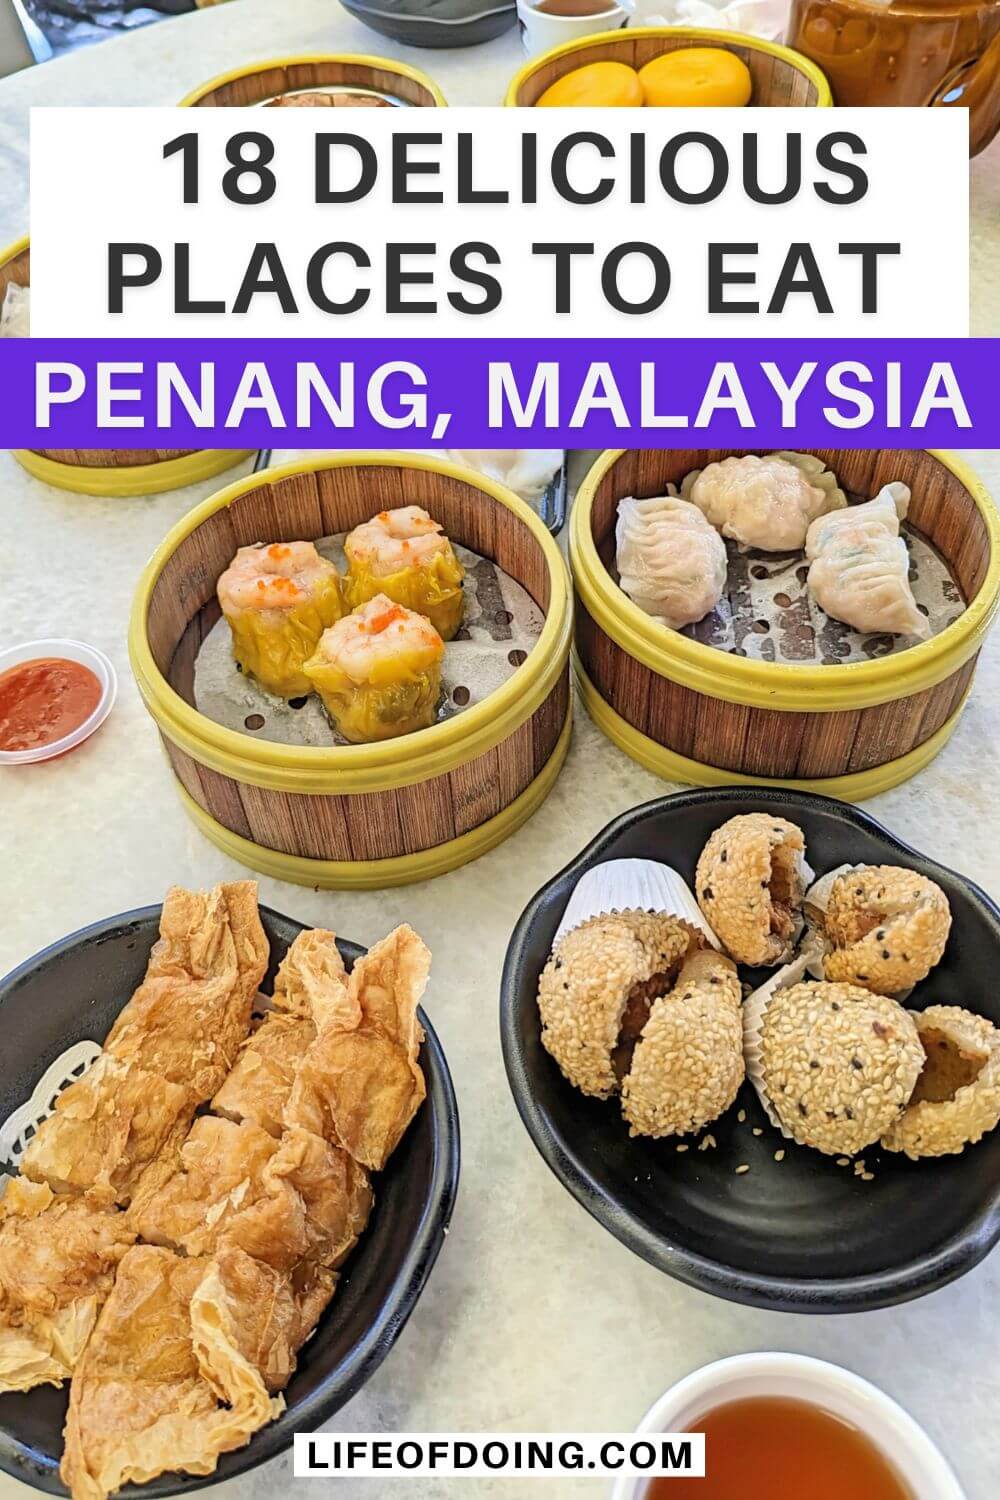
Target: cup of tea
(545, 24)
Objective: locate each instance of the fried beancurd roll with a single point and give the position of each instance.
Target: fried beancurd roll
(378, 672)
(278, 600)
(283, 1202)
(405, 555)
(58, 1258)
(191, 1014)
(887, 928)
(957, 1097)
(360, 1085)
(311, 989)
(750, 881)
(106, 1129)
(595, 992)
(688, 1062)
(164, 1383)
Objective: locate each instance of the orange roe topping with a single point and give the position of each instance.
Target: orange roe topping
(377, 623)
(277, 552)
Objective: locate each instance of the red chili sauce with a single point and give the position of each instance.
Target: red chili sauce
(43, 700)
(763, 1448)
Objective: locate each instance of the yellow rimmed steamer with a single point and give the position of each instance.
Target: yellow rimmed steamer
(781, 77)
(357, 816)
(109, 471)
(274, 77)
(692, 713)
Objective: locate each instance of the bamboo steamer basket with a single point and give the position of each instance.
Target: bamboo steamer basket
(110, 471)
(285, 75)
(781, 78)
(693, 713)
(357, 816)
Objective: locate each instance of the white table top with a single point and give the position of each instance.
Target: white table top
(535, 1318)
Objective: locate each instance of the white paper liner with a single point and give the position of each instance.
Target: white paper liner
(500, 626)
(21, 1125)
(632, 885)
(754, 1008)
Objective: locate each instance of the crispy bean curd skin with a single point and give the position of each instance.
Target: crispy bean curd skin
(595, 992)
(887, 927)
(839, 1064)
(750, 883)
(688, 1063)
(957, 1098)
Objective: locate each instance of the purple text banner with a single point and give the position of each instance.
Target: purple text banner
(572, 393)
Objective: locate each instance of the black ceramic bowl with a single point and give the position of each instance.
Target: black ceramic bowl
(436, 23)
(73, 991)
(801, 1235)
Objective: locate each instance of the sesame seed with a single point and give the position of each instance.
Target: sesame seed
(682, 1148)
(742, 1116)
(744, 1167)
(757, 1130)
(779, 1156)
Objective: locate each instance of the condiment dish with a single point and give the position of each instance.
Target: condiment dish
(77, 651)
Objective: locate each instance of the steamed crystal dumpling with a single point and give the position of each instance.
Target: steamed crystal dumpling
(278, 600)
(671, 562)
(378, 671)
(15, 312)
(404, 555)
(859, 566)
(526, 471)
(767, 503)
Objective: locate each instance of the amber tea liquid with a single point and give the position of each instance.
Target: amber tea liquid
(766, 1447)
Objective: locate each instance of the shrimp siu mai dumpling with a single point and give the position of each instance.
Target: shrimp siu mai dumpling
(859, 566)
(378, 671)
(405, 555)
(278, 600)
(767, 503)
(671, 562)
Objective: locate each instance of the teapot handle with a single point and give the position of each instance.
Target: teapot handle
(976, 86)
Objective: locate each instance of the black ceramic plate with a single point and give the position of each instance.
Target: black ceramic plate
(73, 991)
(803, 1234)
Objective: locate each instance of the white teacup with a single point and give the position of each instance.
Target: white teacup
(893, 1431)
(541, 31)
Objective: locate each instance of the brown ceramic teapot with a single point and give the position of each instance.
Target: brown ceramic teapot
(939, 52)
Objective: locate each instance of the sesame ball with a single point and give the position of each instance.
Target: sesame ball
(887, 928)
(749, 884)
(957, 1098)
(839, 1064)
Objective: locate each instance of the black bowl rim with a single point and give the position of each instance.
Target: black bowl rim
(381, 1335)
(800, 1294)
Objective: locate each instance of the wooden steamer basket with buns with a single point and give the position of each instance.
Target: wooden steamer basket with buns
(110, 471)
(256, 82)
(370, 815)
(693, 713)
(781, 77)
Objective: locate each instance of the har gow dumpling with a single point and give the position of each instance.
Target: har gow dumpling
(671, 562)
(767, 503)
(859, 566)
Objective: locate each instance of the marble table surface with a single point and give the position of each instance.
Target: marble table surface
(535, 1318)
